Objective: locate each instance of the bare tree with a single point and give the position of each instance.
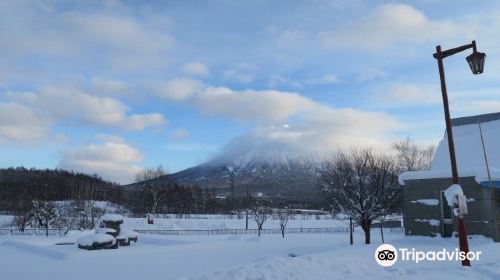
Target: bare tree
(283, 216)
(412, 157)
(260, 213)
(154, 188)
(362, 183)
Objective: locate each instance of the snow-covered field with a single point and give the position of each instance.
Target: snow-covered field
(220, 223)
(298, 256)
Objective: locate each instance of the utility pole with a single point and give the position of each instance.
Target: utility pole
(248, 205)
(476, 63)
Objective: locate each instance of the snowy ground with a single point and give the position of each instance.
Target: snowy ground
(220, 223)
(298, 256)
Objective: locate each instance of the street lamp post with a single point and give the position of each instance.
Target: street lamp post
(476, 63)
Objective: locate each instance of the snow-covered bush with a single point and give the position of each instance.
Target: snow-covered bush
(45, 214)
(97, 241)
(84, 214)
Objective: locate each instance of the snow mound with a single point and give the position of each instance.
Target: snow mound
(105, 230)
(130, 233)
(90, 239)
(112, 218)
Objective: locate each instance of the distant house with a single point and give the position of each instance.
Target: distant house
(426, 211)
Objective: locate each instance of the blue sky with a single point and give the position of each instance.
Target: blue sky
(115, 86)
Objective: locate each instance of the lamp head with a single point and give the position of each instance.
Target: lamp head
(476, 62)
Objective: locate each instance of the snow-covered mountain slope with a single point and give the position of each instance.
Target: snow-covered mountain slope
(274, 168)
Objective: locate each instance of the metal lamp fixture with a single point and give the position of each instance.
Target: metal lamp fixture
(476, 62)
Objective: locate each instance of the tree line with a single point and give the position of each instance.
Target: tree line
(20, 185)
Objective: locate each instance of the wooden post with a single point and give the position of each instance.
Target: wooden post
(382, 231)
(350, 230)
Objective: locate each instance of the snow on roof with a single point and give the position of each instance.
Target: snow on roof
(112, 218)
(468, 150)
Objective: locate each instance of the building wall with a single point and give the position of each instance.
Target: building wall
(421, 219)
(497, 212)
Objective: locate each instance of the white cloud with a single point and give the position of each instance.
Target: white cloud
(70, 105)
(116, 39)
(371, 74)
(113, 160)
(238, 76)
(391, 24)
(326, 79)
(318, 133)
(109, 87)
(250, 105)
(472, 107)
(178, 89)
(196, 69)
(410, 95)
(22, 124)
(314, 124)
(181, 133)
(276, 81)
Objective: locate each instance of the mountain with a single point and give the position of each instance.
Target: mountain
(267, 167)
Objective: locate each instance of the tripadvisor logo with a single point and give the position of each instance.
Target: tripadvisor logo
(387, 255)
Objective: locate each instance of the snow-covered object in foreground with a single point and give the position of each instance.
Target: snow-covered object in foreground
(96, 241)
(132, 235)
(116, 218)
(455, 196)
(109, 231)
(123, 240)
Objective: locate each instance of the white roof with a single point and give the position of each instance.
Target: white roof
(469, 151)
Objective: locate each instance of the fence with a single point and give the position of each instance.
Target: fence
(61, 232)
(397, 229)
(241, 231)
(33, 231)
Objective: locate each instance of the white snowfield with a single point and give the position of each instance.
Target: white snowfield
(298, 256)
(469, 153)
(219, 223)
